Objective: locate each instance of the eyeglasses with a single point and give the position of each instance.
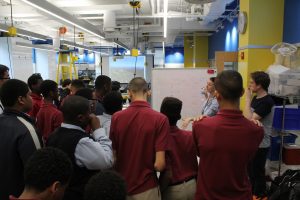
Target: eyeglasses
(5, 78)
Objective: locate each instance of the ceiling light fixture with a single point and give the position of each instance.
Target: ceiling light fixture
(44, 48)
(79, 46)
(31, 37)
(41, 4)
(166, 2)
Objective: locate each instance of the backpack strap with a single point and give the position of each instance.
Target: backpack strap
(31, 131)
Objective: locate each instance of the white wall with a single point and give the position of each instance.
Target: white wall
(5, 43)
(18, 59)
(42, 63)
(52, 65)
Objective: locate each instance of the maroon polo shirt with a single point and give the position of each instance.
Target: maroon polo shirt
(48, 119)
(226, 143)
(137, 133)
(183, 155)
(37, 101)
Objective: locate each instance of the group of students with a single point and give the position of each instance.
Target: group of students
(136, 143)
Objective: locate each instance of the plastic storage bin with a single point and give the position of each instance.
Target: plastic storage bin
(284, 81)
(291, 154)
(291, 119)
(273, 154)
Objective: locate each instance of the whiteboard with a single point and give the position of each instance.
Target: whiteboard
(185, 84)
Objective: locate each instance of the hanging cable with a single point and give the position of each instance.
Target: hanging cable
(74, 34)
(134, 74)
(11, 14)
(133, 23)
(9, 57)
(137, 37)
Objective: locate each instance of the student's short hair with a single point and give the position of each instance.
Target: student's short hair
(171, 107)
(11, 90)
(115, 85)
(229, 84)
(86, 93)
(261, 78)
(138, 84)
(77, 84)
(74, 106)
(48, 86)
(45, 167)
(112, 102)
(212, 79)
(106, 185)
(66, 82)
(3, 69)
(101, 81)
(33, 79)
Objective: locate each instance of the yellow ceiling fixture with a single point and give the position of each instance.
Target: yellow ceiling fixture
(12, 31)
(135, 4)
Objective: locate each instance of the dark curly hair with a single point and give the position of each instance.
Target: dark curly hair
(106, 185)
(45, 167)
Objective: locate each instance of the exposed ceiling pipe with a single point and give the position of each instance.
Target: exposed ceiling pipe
(158, 6)
(213, 11)
(170, 15)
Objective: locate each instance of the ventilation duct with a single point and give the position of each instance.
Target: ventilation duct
(109, 21)
(213, 11)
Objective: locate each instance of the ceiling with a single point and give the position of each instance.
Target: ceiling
(113, 19)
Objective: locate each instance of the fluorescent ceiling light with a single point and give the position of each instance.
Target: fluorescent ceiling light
(21, 44)
(72, 44)
(39, 5)
(31, 37)
(166, 2)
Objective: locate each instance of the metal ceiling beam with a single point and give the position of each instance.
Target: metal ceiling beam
(41, 47)
(65, 17)
(72, 44)
(117, 42)
(22, 32)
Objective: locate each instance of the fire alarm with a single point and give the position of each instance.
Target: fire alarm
(211, 71)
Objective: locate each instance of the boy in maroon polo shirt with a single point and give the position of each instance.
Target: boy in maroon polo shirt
(139, 138)
(49, 117)
(183, 155)
(34, 83)
(226, 143)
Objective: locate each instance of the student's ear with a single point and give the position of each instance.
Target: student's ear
(149, 93)
(55, 187)
(129, 93)
(80, 118)
(242, 93)
(21, 100)
(218, 95)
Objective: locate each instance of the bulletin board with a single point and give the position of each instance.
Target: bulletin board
(185, 84)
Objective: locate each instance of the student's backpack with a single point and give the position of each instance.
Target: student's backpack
(286, 187)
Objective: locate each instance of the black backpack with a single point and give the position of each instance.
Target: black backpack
(286, 187)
